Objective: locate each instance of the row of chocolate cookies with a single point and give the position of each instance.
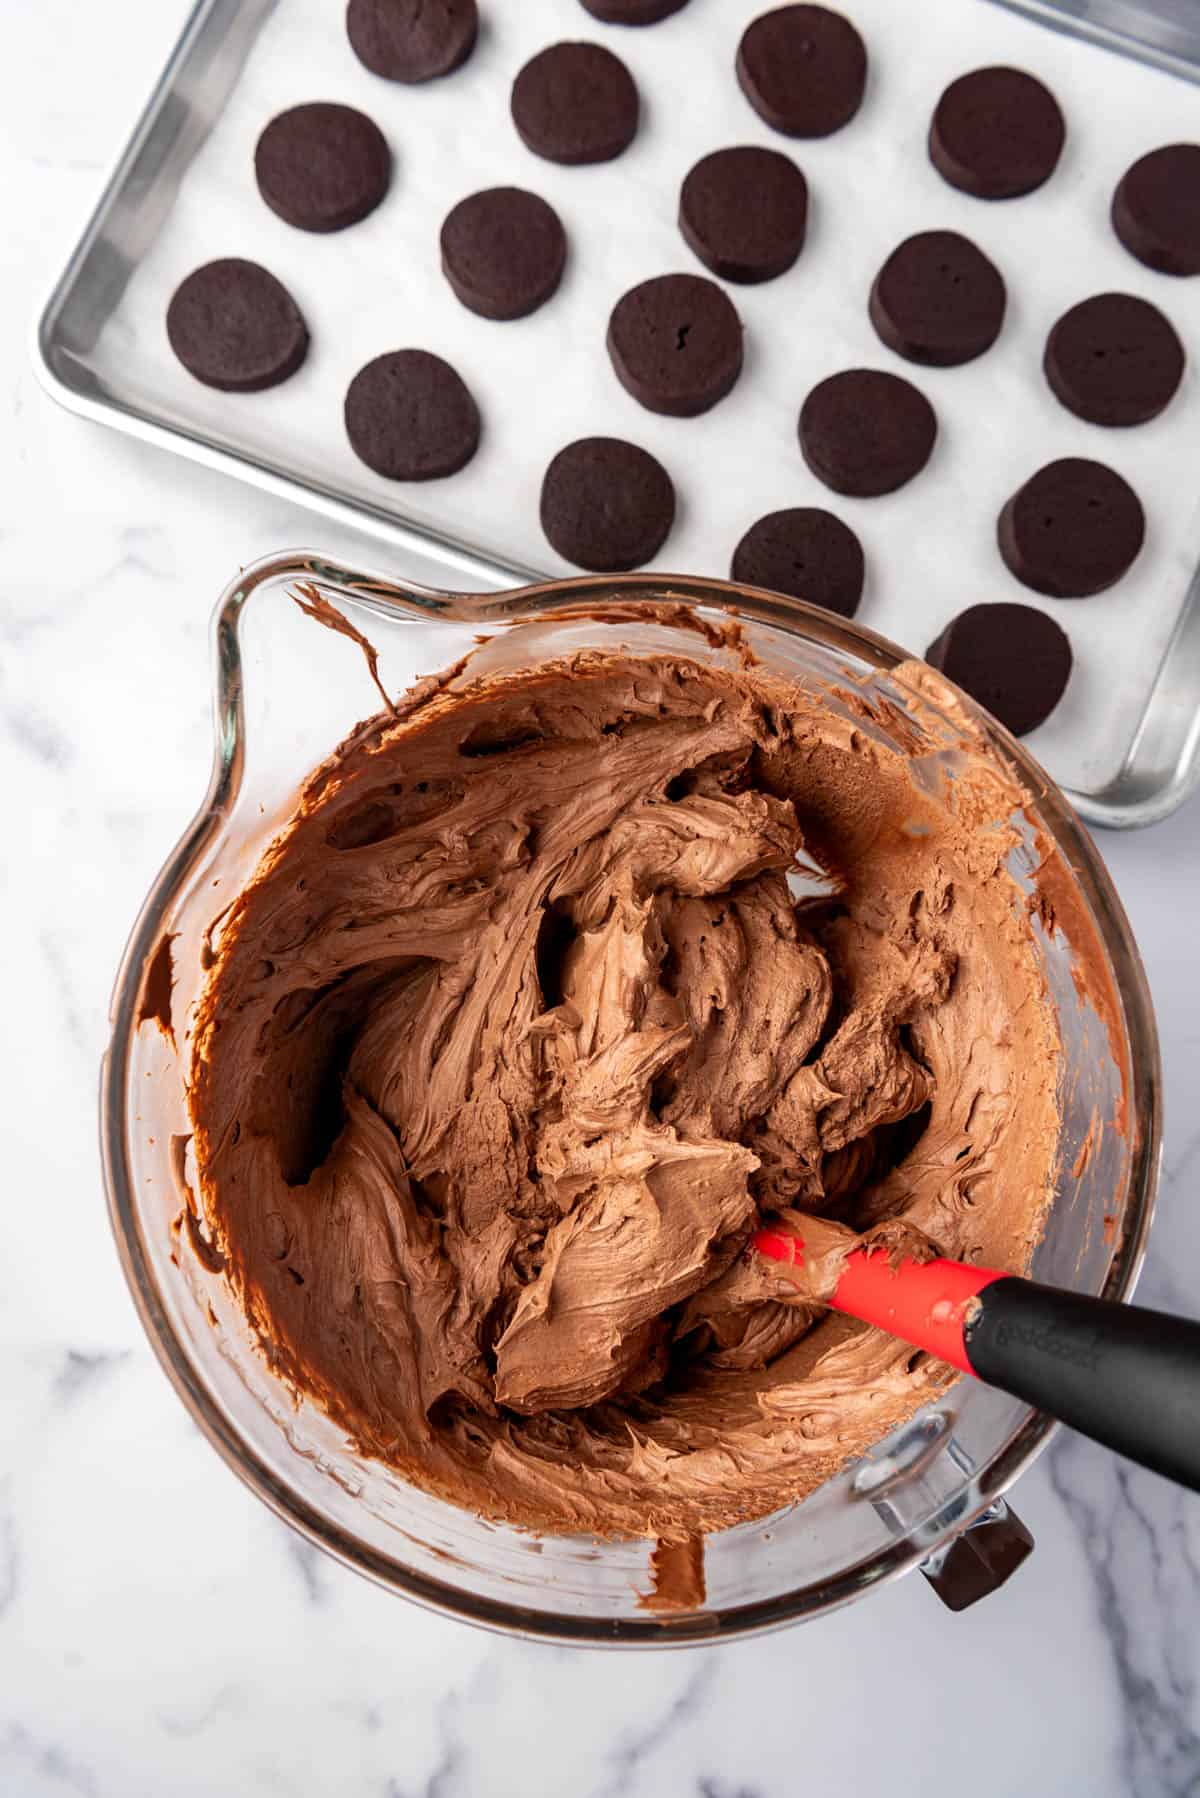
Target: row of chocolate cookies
(675, 342)
(503, 250)
(323, 167)
(1076, 526)
(607, 504)
(995, 133)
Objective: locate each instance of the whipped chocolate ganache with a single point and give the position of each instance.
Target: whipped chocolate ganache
(521, 1028)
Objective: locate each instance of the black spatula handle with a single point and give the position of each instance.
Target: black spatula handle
(1126, 1376)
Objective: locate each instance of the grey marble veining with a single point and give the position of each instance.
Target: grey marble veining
(160, 1631)
(1135, 1542)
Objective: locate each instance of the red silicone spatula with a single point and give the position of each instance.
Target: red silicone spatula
(1127, 1377)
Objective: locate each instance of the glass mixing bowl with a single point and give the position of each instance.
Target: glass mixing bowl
(287, 692)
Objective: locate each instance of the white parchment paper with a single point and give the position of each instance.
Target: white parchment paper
(544, 380)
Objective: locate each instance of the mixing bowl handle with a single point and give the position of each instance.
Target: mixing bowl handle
(980, 1559)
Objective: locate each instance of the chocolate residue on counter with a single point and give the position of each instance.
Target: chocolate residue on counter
(519, 1031)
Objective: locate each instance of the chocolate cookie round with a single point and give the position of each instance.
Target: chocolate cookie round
(1156, 209)
(234, 326)
(803, 69)
(1114, 360)
(575, 103)
(322, 166)
(938, 300)
(633, 12)
(503, 252)
(676, 344)
(744, 211)
(864, 433)
(410, 416)
(806, 552)
(1073, 529)
(996, 133)
(1010, 658)
(409, 40)
(606, 504)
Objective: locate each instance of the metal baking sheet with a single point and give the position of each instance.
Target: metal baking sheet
(1126, 739)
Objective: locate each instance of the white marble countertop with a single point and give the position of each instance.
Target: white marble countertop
(160, 1632)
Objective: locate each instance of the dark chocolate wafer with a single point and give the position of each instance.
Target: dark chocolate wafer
(744, 211)
(864, 432)
(606, 504)
(322, 166)
(503, 252)
(805, 552)
(1156, 209)
(938, 300)
(1073, 529)
(676, 344)
(575, 103)
(1011, 659)
(234, 326)
(997, 133)
(1114, 360)
(633, 12)
(412, 40)
(803, 69)
(410, 416)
